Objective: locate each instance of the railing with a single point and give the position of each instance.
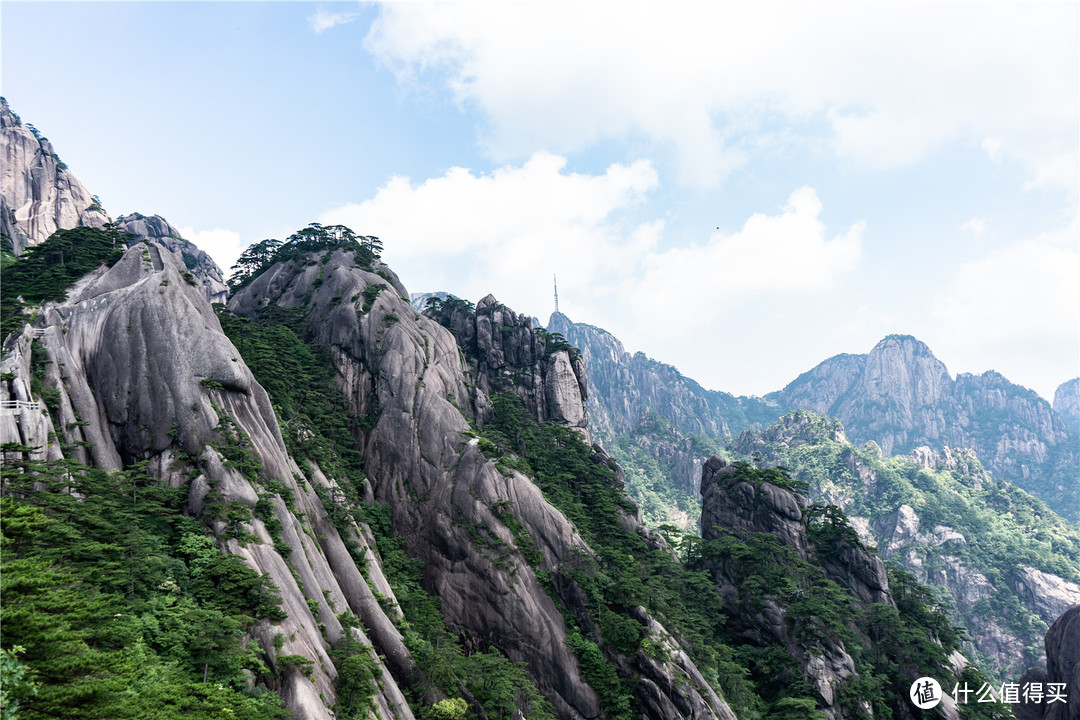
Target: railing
(19, 405)
(38, 332)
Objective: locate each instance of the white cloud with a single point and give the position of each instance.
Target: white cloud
(507, 232)
(782, 254)
(893, 81)
(1015, 310)
(976, 226)
(224, 246)
(323, 20)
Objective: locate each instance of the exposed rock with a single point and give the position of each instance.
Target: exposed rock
(1062, 670)
(1050, 595)
(424, 382)
(1067, 403)
(901, 397)
(128, 352)
(197, 262)
(38, 196)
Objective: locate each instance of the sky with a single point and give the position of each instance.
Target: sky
(741, 190)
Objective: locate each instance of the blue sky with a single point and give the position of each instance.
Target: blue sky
(741, 192)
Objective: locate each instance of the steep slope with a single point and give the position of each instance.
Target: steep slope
(1060, 680)
(1003, 560)
(813, 609)
(493, 549)
(38, 196)
(139, 228)
(134, 368)
(1067, 403)
(658, 424)
(902, 397)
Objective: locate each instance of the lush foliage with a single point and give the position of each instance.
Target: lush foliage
(119, 606)
(1004, 528)
(45, 271)
(315, 237)
(753, 672)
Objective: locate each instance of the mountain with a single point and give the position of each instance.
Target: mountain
(1067, 403)
(898, 395)
(901, 397)
(659, 424)
(318, 501)
(1007, 565)
(38, 196)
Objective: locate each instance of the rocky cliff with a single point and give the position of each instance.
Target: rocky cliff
(1067, 403)
(901, 397)
(197, 262)
(139, 370)
(504, 353)
(38, 196)
(796, 580)
(946, 520)
(1062, 669)
(488, 539)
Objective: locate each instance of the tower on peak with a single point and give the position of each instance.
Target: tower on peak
(556, 279)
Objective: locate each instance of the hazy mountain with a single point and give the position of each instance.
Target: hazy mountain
(901, 397)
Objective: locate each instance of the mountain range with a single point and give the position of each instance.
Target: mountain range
(314, 499)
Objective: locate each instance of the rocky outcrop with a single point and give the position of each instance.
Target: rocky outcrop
(627, 388)
(1067, 403)
(901, 397)
(1062, 669)
(142, 371)
(733, 505)
(421, 384)
(38, 196)
(949, 555)
(504, 352)
(197, 262)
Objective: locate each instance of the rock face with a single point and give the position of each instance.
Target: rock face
(901, 397)
(38, 196)
(733, 506)
(197, 262)
(143, 371)
(902, 518)
(422, 383)
(1062, 669)
(1067, 403)
(627, 388)
(504, 353)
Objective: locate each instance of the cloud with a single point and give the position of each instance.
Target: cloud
(507, 232)
(1019, 307)
(323, 19)
(771, 255)
(976, 226)
(224, 246)
(885, 84)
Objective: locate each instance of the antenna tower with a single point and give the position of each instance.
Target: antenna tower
(556, 292)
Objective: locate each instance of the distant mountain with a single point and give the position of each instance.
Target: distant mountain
(1006, 563)
(901, 397)
(1067, 403)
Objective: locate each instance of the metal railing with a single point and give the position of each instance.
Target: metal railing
(19, 405)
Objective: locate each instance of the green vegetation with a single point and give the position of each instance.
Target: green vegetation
(747, 665)
(315, 237)
(45, 271)
(117, 605)
(649, 455)
(1003, 527)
